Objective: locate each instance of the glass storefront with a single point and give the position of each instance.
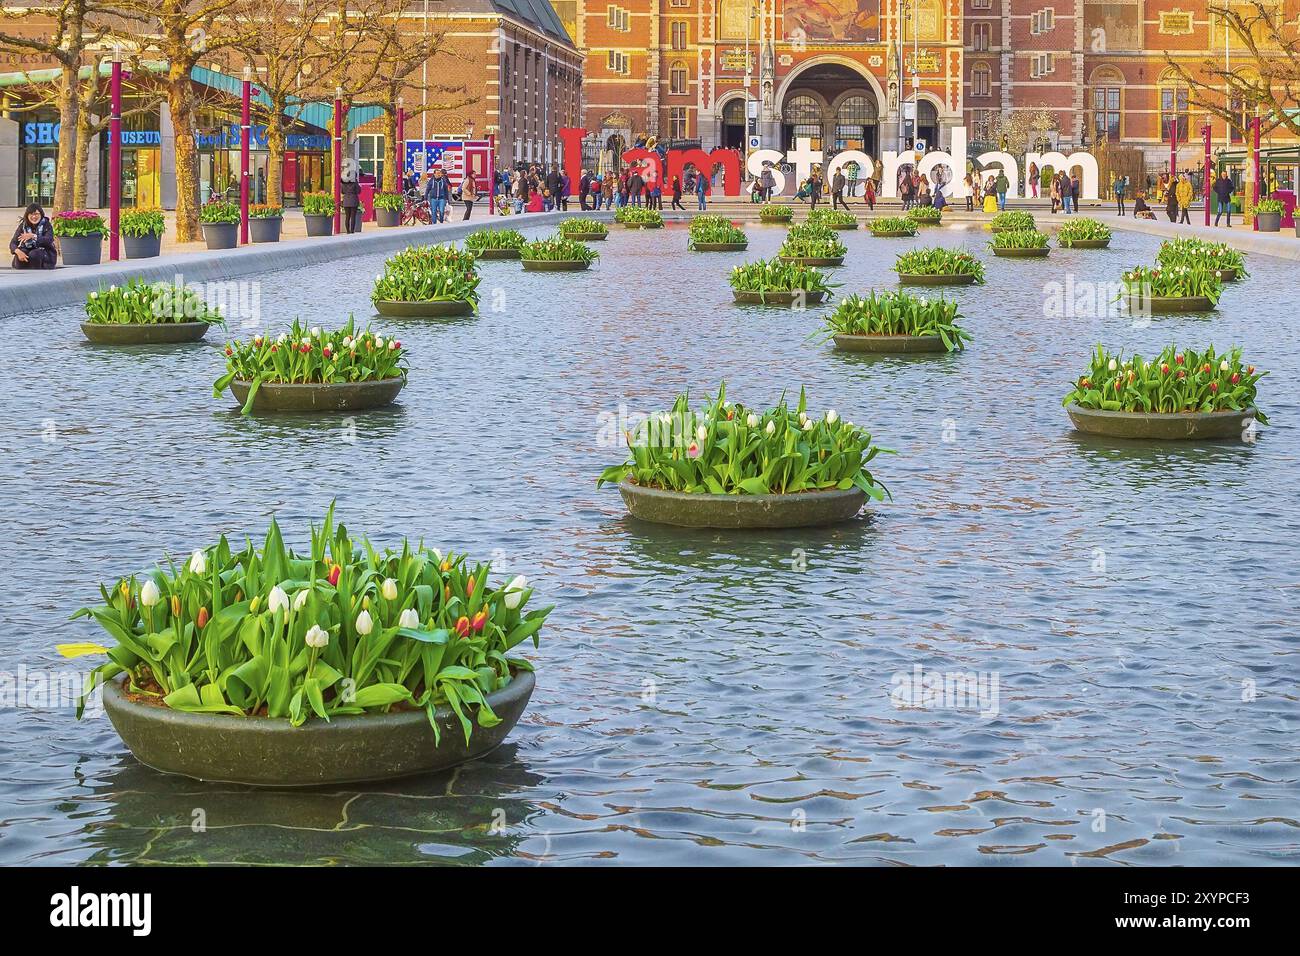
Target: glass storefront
(306, 160)
(141, 161)
(38, 156)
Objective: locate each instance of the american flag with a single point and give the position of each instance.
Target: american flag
(421, 157)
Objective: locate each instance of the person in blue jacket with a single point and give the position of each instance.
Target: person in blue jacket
(438, 192)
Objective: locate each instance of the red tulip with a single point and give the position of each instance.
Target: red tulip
(462, 626)
(693, 451)
(229, 350)
(335, 571)
(326, 351)
(1178, 359)
(469, 588)
(1164, 368)
(1235, 378)
(480, 620)
(1214, 386)
(202, 619)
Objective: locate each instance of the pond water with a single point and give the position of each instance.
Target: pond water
(708, 697)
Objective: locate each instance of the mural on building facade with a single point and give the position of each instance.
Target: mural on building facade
(1112, 25)
(843, 21)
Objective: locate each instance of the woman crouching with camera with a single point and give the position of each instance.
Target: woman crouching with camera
(33, 242)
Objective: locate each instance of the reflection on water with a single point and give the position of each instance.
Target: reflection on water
(708, 697)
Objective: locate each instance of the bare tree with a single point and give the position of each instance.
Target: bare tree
(94, 115)
(1269, 88)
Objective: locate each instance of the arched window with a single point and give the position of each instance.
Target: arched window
(981, 80)
(733, 112)
(854, 118)
(677, 79)
(803, 117)
(1174, 101)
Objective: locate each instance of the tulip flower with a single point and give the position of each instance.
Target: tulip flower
(752, 421)
(198, 563)
(462, 626)
(1223, 366)
(701, 433)
(1113, 365)
(277, 600)
(316, 637)
(1235, 378)
(831, 416)
(176, 605)
(446, 594)
(149, 594)
(202, 620)
(389, 589)
(252, 605)
(693, 451)
(808, 425)
(771, 428)
(333, 577)
(300, 599)
(409, 618)
(515, 591)
(480, 621)
(365, 623)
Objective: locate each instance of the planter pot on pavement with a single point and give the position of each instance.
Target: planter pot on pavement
(431, 309)
(387, 218)
(741, 511)
(82, 250)
(1178, 426)
(952, 278)
(555, 265)
(269, 752)
(813, 260)
(1269, 221)
(1023, 253)
(319, 225)
(720, 247)
(221, 235)
(333, 397)
(889, 343)
(142, 247)
(265, 229)
(145, 333)
(778, 298)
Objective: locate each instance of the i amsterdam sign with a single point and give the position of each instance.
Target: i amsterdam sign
(803, 158)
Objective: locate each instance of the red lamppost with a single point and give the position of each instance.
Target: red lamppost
(115, 157)
(245, 131)
(338, 158)
(400, 168)
(1173, 146)
(1209, 172)
(1255, 135)
(492, 170)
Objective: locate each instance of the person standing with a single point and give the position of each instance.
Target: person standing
(1184, 193)
(468, 193)
(972, 188)
(437, 191)
(677, 193)
(1171, 203)
(584, 188)
(565, 185)
(701, 191)
(838, 182)
(1121, 187)
(635, 184)
(768, 183)
(1223, 192)
(1075, 184)
(350, 200)
(869, 194)
(1001, 186)
(815, 188)
(1033, 179)
(33, 243)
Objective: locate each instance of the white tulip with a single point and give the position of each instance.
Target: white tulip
(389, 589)
(352, 346)
(701, 433)
(365, 623)
(198, 563)
(284, 337)
(317, 637)
(300, 599)
(437, 554)
(379, 341)
(831, 416)
(149, 594)
(277, 600)
(1223, 366)
(409, 618)
(771, 428)
(752, 421)
(393, 346)
(315, 331)
(808, 425)
(803, 417)
(515, 591)
(1113, 365)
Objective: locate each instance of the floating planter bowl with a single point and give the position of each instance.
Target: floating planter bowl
(842, 225)
(954, 278)
(388, 218)
(1165, 305)
(267, 752)
(777, 298)
(741, 511)
(497, 254)
(1230, 275)
(894, 235)
(1022, 253)
(626, 225)
(144, 333)
(814, 260)
(555, 265)
(720, 247)
(1177, 426)
(320, 397)
(585, 236)
(889, 343)
(427, 309)
(1084, 243)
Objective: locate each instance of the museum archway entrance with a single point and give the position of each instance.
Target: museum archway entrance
(835, 107)
(733, 124)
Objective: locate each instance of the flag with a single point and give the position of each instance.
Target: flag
(421, 157)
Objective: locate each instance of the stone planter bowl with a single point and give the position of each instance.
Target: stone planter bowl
(1231, 275)
(144, 333)
(894, 235)
(497, 254)
(814, 260)
(585, 236)
(720, 246)
(1178, 426)
(845, 225)
(319, 225)
(142, 247)
(1166, 305)
(637, 225)
(333, 397)
(777, 298)
(741, 511)
(889, 343)
(82, 250)
(1083, 243)
(264, 228)
(266, 752)
(952, 278)
(1023, 253)
(555, 265)
(429, 309)
(221, 235)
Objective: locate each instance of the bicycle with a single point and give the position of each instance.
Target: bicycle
(416, 211)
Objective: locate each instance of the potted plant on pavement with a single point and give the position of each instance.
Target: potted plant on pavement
(314, 370)
(896, 322)
(1181, 394)
(348, 663)
(728, 466)
(427, 282)
(142, 232)
(220, 222)
(141, 313)
(388, 209)
(1268, 215)
(318, 212)
(264, 222)
(80, 234)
